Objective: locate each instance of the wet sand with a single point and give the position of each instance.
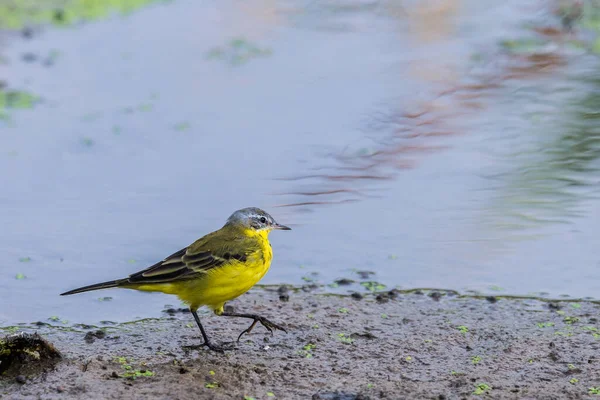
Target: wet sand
(404, 345)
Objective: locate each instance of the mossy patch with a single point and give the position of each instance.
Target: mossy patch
(24, 353)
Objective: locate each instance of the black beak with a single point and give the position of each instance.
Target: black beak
(281, 227)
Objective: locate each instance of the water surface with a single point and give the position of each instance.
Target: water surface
(407, 141)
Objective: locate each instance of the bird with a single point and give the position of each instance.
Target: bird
(216, 268)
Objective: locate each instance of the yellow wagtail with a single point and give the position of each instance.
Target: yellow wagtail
(213, 270)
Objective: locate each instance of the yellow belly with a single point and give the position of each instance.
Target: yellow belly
(222, 284)
(219, 284)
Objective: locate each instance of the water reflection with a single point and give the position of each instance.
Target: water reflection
(559, 171)
(408, 132)
(396, 137)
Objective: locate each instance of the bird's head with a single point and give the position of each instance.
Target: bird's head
(254, 219)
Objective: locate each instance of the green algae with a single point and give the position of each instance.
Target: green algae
(545, 324)
(482, 388)
(130, 372)
(237, 51)
(373, 286)
(342, 337)
(307, 350)
(18, 14)
(15, 99)
(182, 126)
(11, 100)
(462, 329)
(10, 329)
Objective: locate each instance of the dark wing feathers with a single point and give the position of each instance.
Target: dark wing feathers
(196, 259)
(179, 266)
(199, 260)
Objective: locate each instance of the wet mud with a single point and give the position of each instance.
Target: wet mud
(424, 344)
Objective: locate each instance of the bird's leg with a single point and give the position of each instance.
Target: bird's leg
(257, 318)
(207, 342)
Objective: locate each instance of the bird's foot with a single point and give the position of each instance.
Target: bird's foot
(270, 326)
(220, 348)
(214, 347)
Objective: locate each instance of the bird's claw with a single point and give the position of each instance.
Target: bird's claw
(270, 326)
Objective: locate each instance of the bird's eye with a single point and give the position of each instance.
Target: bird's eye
(263, 220)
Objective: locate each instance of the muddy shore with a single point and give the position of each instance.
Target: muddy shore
(430, 345)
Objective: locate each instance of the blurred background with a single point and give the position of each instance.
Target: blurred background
(449, 144)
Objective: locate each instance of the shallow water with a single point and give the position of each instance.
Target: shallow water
(152, 128)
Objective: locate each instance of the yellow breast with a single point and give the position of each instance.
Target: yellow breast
(229, 281)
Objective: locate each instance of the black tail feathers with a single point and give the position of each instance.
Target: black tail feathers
(97, 286)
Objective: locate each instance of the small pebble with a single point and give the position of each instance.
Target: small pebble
(91, 336)
(309, 287)
(436, 296)
(356, 296)
(382, 298)
(282, 290)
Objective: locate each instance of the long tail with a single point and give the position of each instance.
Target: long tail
(97, 286)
